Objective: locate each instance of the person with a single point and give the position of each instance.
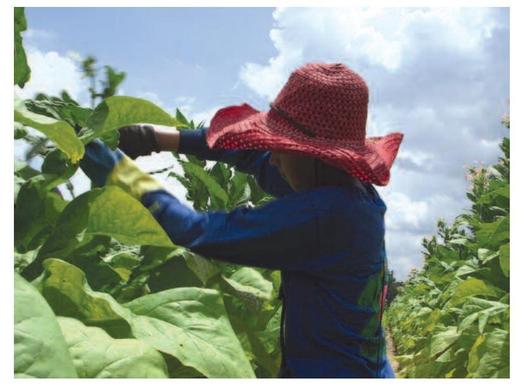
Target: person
(325, 228)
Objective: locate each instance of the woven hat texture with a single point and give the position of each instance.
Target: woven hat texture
(321, 112)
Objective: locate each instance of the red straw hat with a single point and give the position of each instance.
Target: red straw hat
(320, 112)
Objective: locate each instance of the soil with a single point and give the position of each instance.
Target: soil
(391, 350)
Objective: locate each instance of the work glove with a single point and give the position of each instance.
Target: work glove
(105, 166)
(138, 140)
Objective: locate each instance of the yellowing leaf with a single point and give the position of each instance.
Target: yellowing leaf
(58, 131)
(116, 213)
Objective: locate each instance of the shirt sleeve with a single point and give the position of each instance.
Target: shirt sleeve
(256, 163)
(282, 234)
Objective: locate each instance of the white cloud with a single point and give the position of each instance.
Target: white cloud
(186, 104)
(404, 212)
(416, 157)
(439, 75)
(51, 73)
(34, 34)
(187, 107)
(205, 115)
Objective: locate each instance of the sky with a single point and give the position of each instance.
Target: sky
(440, 76)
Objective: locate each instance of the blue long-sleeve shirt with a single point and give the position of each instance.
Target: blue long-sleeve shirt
(328, 243)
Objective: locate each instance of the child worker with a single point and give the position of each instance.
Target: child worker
(325, 228)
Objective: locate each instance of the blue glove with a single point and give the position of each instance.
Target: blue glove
(106, 166)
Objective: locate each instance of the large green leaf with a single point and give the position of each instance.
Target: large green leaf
(70, 226)
(57, 164)
(58, 131)
(188, 323)
(173, 273)
(66, 289)
(123, 262)
(481, 310)
(265, 346)
(473, 287)
(117, 214)
(249, 282)
(96, 354)
(23, 172)
(500, 196)
(60, 108)
(108, 211)
(205, 269)
(489, 357)
(192, 325)
(22, 70)
(118, 111)
(40, 348)
(37, 210)
(492, 235)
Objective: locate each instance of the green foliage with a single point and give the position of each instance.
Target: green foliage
(216, 187)
(37, 210)
(113, 80)
(22, 70)
(96, 354)
(118, 111)
(451, 319)
(110, 84)
(187, 323)
(40, 348)
(111, 295)
(115, 213)
(59, 131)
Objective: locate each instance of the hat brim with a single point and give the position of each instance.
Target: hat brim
(243, 127)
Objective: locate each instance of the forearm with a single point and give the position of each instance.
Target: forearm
(168, 138)
(254, 162)
(193, 142)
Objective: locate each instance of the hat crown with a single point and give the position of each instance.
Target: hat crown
(330, 100)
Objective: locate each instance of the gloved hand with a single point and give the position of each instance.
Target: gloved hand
(105, 166)
(138, 140)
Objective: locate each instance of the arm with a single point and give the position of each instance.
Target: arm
(253, 162)
(283, 234)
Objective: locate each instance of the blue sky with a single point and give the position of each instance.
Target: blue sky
(440, 76)
(172, 52)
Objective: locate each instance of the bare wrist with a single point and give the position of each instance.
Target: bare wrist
(168, 138)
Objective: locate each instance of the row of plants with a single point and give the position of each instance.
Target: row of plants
(451, 318)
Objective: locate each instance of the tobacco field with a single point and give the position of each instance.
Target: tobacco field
(101, 291)
(452, 318)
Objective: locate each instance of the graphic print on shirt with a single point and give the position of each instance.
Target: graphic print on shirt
(371, 299)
